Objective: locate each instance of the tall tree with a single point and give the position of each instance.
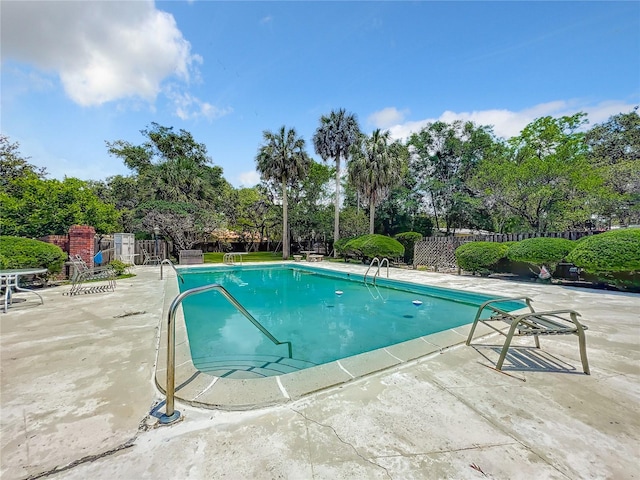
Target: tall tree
(309, 203)
(13, 165)
(333, 138)
(376, 166)
(33, 206)
(282, 158)
(542, 176)
(403, 210)
(256, 215)
(444, 155)
(175, 185)
(614, 150)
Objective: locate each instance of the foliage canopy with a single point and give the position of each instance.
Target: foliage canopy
(18, 252)
(480, 257)
(369, 246)
(612, 251)
(541, 251)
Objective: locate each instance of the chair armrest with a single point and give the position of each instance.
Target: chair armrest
(488, 304)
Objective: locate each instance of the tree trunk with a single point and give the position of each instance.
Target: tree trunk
(285, 222)
(336, 220)
(372, 214)
(435, 211)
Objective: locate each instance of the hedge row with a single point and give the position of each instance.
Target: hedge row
(369, 246)
(604, 255)
(18, 252)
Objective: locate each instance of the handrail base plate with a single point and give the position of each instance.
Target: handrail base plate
(169, 419)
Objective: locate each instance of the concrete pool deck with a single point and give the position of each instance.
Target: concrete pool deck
(77, 386)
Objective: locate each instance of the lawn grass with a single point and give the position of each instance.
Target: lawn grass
(217, 257)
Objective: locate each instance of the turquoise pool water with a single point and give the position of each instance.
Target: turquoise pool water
(325, 315)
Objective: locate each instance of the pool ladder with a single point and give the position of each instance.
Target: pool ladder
(169, 262)
(171, 415)
(380, 263)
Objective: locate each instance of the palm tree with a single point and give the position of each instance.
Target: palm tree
(282, 158)
(376, 167)
(333, 139)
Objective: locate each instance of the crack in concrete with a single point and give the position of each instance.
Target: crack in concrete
(343, 441)
(451, 450)
(143, 426)
(499, 426)
(89, 458)
(129, 314)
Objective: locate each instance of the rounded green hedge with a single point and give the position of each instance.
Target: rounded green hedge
(541, 251)
(480, 257)
(18, 252)
(408, 241)
(609, 252)
(374, 245)
(340, 246)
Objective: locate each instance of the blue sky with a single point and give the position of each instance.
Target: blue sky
(77, 74)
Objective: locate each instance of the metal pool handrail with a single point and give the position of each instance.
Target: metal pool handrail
(166, 260)
(171, 415)
(380, 263)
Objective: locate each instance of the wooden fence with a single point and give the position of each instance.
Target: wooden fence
(439, 252)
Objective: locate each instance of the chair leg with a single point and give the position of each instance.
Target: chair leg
(7, 298)
(583, 351)
(537, 339)
(473, 329)
(507, 343)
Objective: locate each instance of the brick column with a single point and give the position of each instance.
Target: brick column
(81, 242)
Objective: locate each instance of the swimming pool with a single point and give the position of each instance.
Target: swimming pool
(326, 316)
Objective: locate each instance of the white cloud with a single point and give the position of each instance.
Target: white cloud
(387, 117)
(267, 19)
(102, 51)
(249, 179)
(189, 107)
(508, 123)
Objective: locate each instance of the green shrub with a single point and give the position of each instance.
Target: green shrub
(340, 246)
(369, 246)
(408, 241)
(609, 252)
(21, 252)
(119, 266)
(481, 257)
(541, 251)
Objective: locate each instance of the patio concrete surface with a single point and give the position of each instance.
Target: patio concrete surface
(77, 386)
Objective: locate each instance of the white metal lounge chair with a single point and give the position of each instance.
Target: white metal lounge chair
(149, 259)
(83, 277)
(532, 324)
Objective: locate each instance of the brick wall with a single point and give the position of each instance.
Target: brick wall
(60, 240)
(81, 242)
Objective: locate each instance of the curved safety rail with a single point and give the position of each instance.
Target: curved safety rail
(382, 262)
(169, 262)
(171, 415)
(377, 261)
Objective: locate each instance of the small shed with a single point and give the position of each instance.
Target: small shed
(124, 247)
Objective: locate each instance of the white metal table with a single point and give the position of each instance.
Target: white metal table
(9, 279)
